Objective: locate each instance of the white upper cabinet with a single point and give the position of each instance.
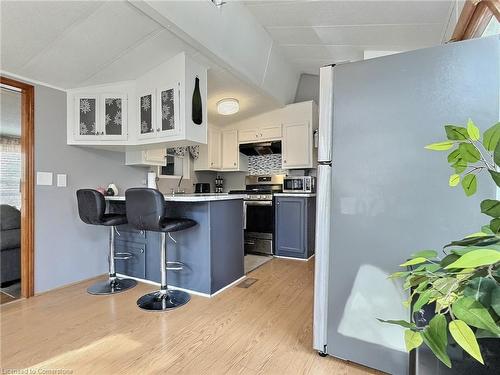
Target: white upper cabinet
(265, 133)
(214, 149)
(155, 109)
(100, 117)
(230, 150)
(221, 153)
(210, 154)
(297, 146)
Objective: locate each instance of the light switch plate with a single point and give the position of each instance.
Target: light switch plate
(44, 178)
(62, 180)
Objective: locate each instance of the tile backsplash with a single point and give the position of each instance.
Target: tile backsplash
(265, 164)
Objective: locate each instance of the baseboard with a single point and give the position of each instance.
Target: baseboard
(194, 292)
(291, 258)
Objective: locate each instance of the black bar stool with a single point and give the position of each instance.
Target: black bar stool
(146, 211)
(91, 208)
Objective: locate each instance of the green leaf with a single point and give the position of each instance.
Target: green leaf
(414, 261)
(412, 339)
(440, 146)
(445, 285)
(422, 300)
(453, 156)
(456, 133)
(459, 166)
(402, 323)
(480, 288)
(491, 137)
(449, 259)
(464, 337)
(476, 258)
(399, 274)
(495, 225)
(469, 152)
(490, 207)
(454, 180)
(478, 241)
(473, 131)
(474, 314)
(495, 176)
(436, 338)
(469, 183)
(477, 234)
(495, 299)
(496, 155)
(486, 229)
(428, 254)
(484, 334)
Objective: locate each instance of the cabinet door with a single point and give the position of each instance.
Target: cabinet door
(168, 110)
(290, 227)
(136, 265)
(270, 132)
(297, 146)
(214, 148)
(155, 156)
(146, 114)
(114, 116)
(248, 135)
(230, 150)
(87, 117)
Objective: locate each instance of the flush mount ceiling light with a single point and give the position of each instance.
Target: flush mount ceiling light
(228, 106)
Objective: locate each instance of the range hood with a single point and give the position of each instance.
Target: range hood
(261, 148)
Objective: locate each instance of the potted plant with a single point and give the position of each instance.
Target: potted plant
(462, 287)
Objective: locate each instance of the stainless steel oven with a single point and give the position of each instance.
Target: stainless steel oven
(258, 212)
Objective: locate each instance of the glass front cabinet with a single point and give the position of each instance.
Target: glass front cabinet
(101, 117)
(158, 111)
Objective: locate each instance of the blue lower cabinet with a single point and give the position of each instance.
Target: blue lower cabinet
(129, 234)
(136, 265)
(294, 226)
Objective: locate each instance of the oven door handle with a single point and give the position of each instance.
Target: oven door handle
(258, 203)
(244, 215)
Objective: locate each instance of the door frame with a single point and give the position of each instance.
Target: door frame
(27, 183)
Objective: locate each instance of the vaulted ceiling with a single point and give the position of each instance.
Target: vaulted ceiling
(317, 33)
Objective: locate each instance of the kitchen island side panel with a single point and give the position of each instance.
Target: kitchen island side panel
(226, 239)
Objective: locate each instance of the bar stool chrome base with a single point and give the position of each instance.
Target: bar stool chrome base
(111, 286)
(158, 301)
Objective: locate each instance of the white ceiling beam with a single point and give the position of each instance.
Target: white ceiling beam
(231, 37)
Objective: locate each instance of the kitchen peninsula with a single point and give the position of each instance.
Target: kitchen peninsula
(212, 251)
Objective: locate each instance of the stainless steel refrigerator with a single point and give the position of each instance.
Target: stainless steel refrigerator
(381, 195)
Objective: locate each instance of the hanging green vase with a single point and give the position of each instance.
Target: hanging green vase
(197, 113)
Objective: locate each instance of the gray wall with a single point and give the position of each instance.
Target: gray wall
(308, 88)
(67, 250)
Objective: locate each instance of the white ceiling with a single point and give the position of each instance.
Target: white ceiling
(71, 44)
(316, 33)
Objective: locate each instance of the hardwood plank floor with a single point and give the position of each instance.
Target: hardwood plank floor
(265, 329)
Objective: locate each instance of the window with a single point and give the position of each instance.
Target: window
(493, 28)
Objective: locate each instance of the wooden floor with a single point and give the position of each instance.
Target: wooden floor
(265, 329)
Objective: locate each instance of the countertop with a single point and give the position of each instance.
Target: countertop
(303, 195)
(200, 197)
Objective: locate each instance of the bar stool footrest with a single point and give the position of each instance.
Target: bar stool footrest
(174, 266)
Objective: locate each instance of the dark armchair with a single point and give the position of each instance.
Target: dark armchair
(10, 244)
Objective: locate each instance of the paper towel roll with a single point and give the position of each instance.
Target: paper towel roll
(152, 180)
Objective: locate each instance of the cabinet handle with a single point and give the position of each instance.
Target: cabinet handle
(261, 134)
(142, 251)
(157, 129)
(284, 161)
(234, 164)
(142, 232)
